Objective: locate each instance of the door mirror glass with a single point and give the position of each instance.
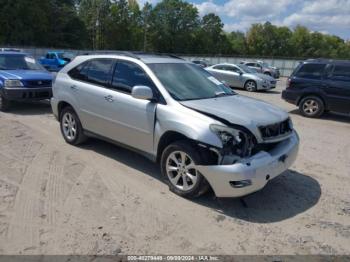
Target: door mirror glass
(142, 92)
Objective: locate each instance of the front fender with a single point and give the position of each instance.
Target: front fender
(187, 122)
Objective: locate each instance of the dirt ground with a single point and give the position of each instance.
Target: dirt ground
(102, 199)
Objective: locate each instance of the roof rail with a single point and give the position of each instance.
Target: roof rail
(133, 54)
(157, 53)
(104, 52)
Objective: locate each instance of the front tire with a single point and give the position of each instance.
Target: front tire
(4, 103)
(71, 127)
(178, 164)
(250, 86)
(311, 106)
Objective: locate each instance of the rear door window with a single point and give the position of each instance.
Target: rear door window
(234, 69)
(80, 72)
(341, 72)
(312, 71)
(127, 75)
(219, 67)
(100, 71)
(97, 71)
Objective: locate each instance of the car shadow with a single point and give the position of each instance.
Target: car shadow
(30, 108)
(338, 117)
(269, 91)
(284, 197)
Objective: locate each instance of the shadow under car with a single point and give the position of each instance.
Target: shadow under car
(284, 197)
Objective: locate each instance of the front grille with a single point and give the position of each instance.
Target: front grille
(36, 95)
(275, 130)
(38, 83)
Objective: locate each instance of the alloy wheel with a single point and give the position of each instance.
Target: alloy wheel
(69, 126)
(181, 171)
(250, 86)
(310, 107)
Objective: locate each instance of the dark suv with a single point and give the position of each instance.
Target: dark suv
(320, 85)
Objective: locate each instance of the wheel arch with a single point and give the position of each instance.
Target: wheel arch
(251, 80)
(312, 95)
(168, 138)
(61, 105)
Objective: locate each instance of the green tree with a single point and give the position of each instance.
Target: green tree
(237, 42)
(146, 16)
(96, 15)
(174, 25)
(210, 37)
(124, 26)
(40, 23)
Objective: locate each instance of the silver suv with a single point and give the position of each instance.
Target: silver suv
(201, 132)
(263, 68)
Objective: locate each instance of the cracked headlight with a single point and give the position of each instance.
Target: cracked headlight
(13, 83)
(227, 135)
(235, 142)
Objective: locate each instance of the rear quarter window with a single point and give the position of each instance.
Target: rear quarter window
(341, 72)
(312, 71)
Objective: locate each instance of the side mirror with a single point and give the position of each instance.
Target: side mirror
(142, 92)
(240, 73)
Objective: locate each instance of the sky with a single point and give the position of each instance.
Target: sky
(325, 16)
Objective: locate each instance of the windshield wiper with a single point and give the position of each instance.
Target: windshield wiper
(219, 94)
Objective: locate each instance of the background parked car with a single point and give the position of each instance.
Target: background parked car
(320, 85)
(22, 79)
(264, 68)
(201, 63)
(55, 60)
(9, 49)
(241, 76)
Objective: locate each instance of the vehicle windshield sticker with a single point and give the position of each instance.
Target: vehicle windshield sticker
(214, 80)
(29, 60)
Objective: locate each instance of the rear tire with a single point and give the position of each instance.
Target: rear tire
(178, 163)
(4, 103)
(250, 86)
(71, 127)
(311, 106)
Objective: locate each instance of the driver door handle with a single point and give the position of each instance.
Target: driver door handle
(109, 98)
(74, 87)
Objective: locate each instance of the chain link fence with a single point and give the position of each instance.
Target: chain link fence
(285, 65)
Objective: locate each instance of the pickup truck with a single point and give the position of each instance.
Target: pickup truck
(55, 60)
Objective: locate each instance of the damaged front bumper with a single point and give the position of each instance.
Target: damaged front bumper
(253, 173)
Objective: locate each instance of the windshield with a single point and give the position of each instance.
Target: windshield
(17, 62)
(247, 69)
(186, 81)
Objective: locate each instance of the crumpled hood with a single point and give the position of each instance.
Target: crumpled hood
(239, 110)
(25, 74)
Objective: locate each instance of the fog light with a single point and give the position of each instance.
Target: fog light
(241, 183)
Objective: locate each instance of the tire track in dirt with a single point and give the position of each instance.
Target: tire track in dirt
(60, 237)
(26, 206)
(54, 186)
